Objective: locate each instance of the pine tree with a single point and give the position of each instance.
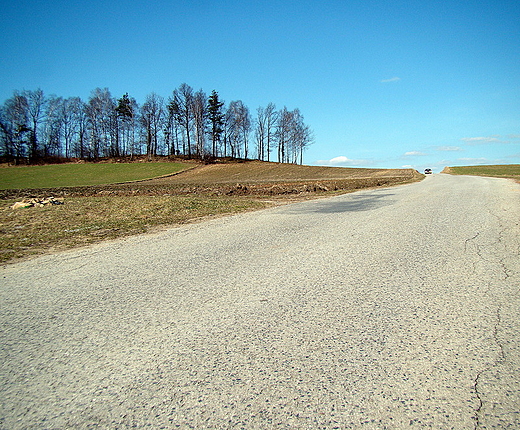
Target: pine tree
(216, 116)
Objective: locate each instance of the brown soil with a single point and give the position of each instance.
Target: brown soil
(252, 178)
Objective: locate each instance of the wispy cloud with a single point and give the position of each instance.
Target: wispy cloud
(475, 160)
(448, 148)
(394, 79)
(343, 161)
(480, 140)
(414, 154)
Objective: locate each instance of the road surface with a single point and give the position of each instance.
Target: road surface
(383, 309)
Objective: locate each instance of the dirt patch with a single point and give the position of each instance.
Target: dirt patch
(253, 178)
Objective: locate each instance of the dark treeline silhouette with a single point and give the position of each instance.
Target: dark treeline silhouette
(188, 123)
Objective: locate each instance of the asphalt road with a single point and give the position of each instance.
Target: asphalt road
(383, 309)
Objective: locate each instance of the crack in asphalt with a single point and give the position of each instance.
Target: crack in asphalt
(500, 241)
(479, 398)
(469, 240)
(506, 273)
(501, 358)
(466, 242)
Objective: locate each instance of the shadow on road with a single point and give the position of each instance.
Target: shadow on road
(353, 204)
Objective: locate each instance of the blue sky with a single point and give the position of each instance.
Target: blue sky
(381, 83)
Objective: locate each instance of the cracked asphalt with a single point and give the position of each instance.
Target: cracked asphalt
(382, 309)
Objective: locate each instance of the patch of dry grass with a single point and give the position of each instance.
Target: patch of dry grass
(86, 220)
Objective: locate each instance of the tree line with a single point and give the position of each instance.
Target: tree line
(188, 123)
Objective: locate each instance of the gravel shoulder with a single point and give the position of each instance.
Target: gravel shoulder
(385, 308)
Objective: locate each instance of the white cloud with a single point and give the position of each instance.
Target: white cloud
(448, 148)
(414, 154)
(475, 160)
(394, 79)
(342, 161)
(480, 140)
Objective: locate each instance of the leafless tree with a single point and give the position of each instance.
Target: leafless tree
(14, 123)
(183, 102)
(293, 136)
(239, 128)
(152, 113)
(101, 115)
(71, 116)
(301, 136)
(283, 131)
(35, 108)
(127, 114)
(265, 130)
(200, 116)
(52, 132)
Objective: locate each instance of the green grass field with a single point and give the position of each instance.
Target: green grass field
(500, 171)
(72, 175)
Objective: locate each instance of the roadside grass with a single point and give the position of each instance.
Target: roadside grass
(70, 175)
(499, 171)
(86, 220)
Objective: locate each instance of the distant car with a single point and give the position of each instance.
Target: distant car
(428, 171)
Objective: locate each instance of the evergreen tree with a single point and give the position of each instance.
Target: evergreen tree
(216, 117)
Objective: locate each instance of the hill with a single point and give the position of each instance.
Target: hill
(242, 178)
(262, 171)
(260, 177)
(499, 171)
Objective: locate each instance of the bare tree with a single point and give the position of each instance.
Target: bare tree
(200, 115)
(6, 132)
(260, 132)
(126, 114)
(226, 132)
(183, 97)
(69, 123)
(265, 130)
(272, 117)
(238, 121)
(300, 137)
(52, 132)
(80, 147)
(35, 108)
(152, 113)
(101, 114)
(283, 130)
(14, 123)
(173, 125)
(232, 129)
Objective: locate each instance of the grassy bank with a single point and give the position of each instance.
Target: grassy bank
(498, 171)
